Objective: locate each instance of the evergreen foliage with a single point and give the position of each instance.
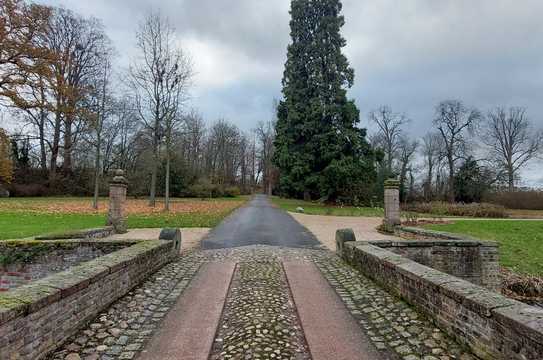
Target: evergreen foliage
(320, 151)
(471, 182)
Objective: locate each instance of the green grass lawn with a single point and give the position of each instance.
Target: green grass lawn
(26, 217)
(315, 208)
(521, 242)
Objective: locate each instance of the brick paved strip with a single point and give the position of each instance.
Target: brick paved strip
(331, 332)
(189, 329)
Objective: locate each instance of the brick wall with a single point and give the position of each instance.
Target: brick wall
(36, 318)
(491, 325)
(471, 260)
(53, 256)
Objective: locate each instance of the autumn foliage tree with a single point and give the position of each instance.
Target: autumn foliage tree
(22, 57)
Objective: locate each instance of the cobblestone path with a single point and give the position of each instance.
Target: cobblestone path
(259, 320)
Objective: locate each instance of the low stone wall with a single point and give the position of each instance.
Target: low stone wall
(23, 261)
(98, 233)
(36, 318)
(491, 325)
(471, 260)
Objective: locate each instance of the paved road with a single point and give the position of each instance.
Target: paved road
(259, 223)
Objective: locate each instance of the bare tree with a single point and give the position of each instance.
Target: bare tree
(265, 133)
(431, 152)
(159, 78)
(454, 121)
(390, 129)
(406, 151)
(98, 114)
(511, 141)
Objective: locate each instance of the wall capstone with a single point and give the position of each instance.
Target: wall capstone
(172, 235)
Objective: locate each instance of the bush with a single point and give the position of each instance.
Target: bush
(523, 200)
(483, 210)
(232, 191)
(205, 189)
(29, 190)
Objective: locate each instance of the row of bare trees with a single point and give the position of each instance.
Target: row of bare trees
(78, 116)
(504, 141)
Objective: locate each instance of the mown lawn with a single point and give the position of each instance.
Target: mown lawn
(521, 242)
(315, 208)
(26, 217)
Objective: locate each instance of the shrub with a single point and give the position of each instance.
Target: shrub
(523, 200)
(483, 210)
(232, 191)
(29, 190)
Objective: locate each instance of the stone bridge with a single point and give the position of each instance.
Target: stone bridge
(263, 287)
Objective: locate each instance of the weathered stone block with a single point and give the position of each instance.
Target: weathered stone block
(172, 235)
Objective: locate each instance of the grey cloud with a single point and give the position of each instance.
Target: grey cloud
(409, 54)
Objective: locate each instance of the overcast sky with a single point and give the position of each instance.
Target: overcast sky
(408, 54)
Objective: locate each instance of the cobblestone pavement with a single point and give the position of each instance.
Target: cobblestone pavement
(259, 296)
(392, 325)
(259, 320)
(122, 330)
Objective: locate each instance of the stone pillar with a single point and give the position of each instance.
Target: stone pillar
(117, 202)
(392, 204)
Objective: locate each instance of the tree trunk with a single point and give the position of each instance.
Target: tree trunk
(511, 180)
(67, 165)
(451, 194)
(167, 194)
(97, 173)
(55, 150)
(43, 150)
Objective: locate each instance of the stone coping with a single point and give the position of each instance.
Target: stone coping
(443, 235)
(79, 234)
(30, 298)
(490, 324)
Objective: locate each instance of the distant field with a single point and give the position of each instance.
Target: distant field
(525, 214)
(25, 217)
(315, 208)
(521, 242)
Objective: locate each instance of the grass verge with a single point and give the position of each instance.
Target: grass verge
(521, 242)
(22, 218)
(316, 208)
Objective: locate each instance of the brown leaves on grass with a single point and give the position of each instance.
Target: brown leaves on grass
(134, 207)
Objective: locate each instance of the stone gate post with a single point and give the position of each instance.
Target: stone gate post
(117, 202)
(392, 203)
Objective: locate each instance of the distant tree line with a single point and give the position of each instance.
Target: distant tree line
(465, 155)
(78, 117)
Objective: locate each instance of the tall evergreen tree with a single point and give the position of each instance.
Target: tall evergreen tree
(320, 151)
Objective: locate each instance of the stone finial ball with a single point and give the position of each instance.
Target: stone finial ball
(119, 172)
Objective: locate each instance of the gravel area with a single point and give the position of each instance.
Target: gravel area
(324, 227)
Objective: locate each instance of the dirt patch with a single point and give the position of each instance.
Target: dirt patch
(324, 227)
